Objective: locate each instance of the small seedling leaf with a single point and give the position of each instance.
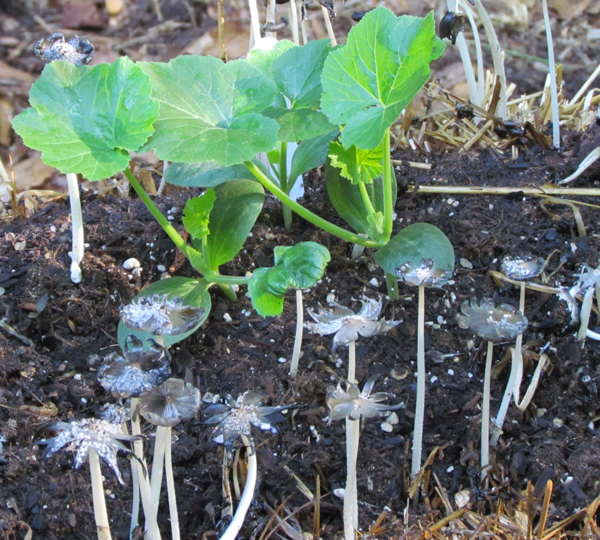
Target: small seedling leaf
(357, 165)
(196, 214)
(299, 124)
(86, 119)
(368, 82)
(267, 289)
(194, 293)
(311, 153)
(205, 175)
(210, 110)
(416, 242)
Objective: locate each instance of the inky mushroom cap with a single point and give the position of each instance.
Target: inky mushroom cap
(137, 371)
(353, 404)
(423, 274)
(77, 51)
(170, 403)
(348, 325)
(235, 417)
(522, 268)
(81, 435)
(491, 323)
(160, 315)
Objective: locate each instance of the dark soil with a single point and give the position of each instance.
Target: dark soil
(54, 378)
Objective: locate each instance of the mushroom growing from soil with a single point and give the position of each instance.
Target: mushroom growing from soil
(234, 420)
(421, 274)
(493, 324)
(347, 326)
(166, 406)
(352, 404)
(91, 439)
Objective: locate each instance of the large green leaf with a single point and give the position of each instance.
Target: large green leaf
(368, 82)
(87, 119)
(347, 200)
(194, 293)
(357, 165)
(262, 59)
(299, 124)
(416, 242)
(196, 214)
(311, 153)
(238, 204)
(296, 267)
(210, 110)
(205, 175)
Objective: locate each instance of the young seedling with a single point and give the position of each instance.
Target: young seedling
(519, 269)
(128, 376)
(91, 439)
(77, 51)
(351, 404)
(166, 406)
(234, 420)
(348, 326)
(493, 324)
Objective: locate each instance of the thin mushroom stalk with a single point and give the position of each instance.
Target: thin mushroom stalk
(485, 411)
(552, 75)
(417, 446)
(78, 243)
(298, 335)
(100, 512)
(350, 513)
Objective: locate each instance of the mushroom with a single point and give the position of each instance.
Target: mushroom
(421, 274)
(493, 324)
(166, 406)
(91, 439)
(352, 404)
(347, 326)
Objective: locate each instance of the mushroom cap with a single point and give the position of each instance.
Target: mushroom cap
(423, 273)
(523, 267)
(490, 322)
(77, 51)
(170, 403)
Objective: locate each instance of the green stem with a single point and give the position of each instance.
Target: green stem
(228, 291)
(307, 214)
(228, 280)
(156, 213)
(392, 286)
(388, 203)
(285, 184)
(365, 197)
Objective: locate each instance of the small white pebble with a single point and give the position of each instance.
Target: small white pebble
(340, 493)
(558, 422)
(161, 268)
(330, 298)
(387, 427)
(433, 379)
(137, 272)
(450, 372)
(450, 469)
(470, 375)
(282, 360)
(52, 228)
(132, 263)
(374, 282)
(83, 400)
(77, 377)
(227, 317)
(392, 418)
(465, 263)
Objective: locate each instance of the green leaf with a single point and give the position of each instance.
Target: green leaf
(238, 204)
(311, 153)
(263, 59)
(196, 213)
(210, 110)
(87, 119)
(416, 242)
(205, 175)
(297, 73)
(299, 124)
(297, 267)
(383, 65)
(198, 261)
(194, 293)
(375, 221)
(347, 200)
(357, 165)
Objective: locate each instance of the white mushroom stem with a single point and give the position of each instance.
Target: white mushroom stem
(158, 460)
(351, 492)
(478, 50)
(485, 411)
(100, 512)
(497, 56)
(78, 247)
(299, 331)
(247, 495)
(420, 400)
(584, 314)
(519, 350)
(552, 74)
(175, 534)
(352, 362)
(254, 23)
(271, 17)
(329, 26)
(294, 22)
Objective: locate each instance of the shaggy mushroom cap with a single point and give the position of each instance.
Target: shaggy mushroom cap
(423, 274)
(170, 403)
(160, 315)
(235, 417)
(353, 404)
(77, 51)
(81, 435)
(491, 323)
(347, 325)
(522, 268)
(137, 371)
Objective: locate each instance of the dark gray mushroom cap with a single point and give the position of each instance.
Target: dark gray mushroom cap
(137, 371)
(423, 274)
(490, 322)
(170, 403)
(522, 268)
(77, 51)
